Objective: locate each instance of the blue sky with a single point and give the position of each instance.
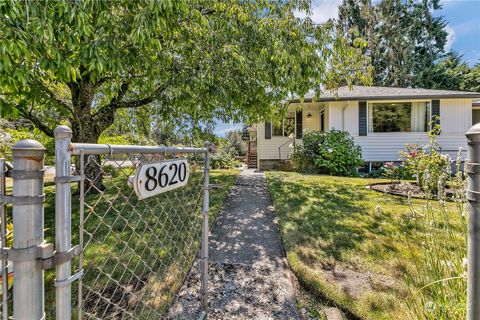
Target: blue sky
(463, 26)
(463, 18)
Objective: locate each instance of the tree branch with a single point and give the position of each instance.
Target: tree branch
(37, 123)
(53, 97)
(117, 103)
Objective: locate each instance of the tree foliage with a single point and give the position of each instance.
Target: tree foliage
(235, 144)
(83, 62)
(404, 38)
(453, 73)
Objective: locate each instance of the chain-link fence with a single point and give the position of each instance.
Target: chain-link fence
(136, 253)
(129, 222)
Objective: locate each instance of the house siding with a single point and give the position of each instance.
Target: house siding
(455, 116)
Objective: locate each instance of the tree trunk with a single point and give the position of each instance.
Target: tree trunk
(89, 131)
(87, 126)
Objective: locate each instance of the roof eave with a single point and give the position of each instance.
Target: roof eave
(330, 99)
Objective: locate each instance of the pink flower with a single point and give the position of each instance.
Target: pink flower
(389, 165)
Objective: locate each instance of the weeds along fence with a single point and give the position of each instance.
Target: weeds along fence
(127, 224)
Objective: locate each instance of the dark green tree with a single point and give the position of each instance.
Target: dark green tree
(404, 38)
(471, 81)
(449, 73)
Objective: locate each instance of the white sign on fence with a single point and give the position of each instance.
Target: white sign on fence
(152, 178)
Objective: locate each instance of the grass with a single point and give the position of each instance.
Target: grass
(375, 256)
(137, 252)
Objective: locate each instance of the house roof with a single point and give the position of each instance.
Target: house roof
(383, 93)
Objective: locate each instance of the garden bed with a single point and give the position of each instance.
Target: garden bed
(405, 189)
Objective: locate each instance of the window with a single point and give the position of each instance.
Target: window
(284, 128)
(399, 117)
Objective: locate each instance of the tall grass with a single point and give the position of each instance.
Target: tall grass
(437, 281)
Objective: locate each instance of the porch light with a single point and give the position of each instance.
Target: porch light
(309, 115)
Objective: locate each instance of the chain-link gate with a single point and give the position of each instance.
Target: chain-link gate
(129, 221)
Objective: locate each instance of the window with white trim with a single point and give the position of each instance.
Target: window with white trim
(398, 116)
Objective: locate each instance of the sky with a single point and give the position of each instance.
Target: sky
(463, 27)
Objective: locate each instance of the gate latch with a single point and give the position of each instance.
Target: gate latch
(61, 257)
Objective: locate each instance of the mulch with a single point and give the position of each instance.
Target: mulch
(404, 189)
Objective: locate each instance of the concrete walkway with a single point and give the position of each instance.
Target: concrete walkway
(248, 274)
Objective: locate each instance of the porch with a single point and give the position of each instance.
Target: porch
(276, 140)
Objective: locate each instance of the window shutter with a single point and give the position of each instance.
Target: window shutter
(299, 125)
(268, 130)
(436, 112)
(362, 118)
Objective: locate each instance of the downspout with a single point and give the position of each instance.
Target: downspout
(343, 116)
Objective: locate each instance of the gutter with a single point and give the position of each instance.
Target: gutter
(410, 97)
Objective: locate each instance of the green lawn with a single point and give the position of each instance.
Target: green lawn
(137, 251)
(368, 252)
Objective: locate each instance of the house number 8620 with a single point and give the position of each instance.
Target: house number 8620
(174, 174)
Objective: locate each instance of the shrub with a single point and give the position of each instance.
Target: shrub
(223, 160)
(235, 144)
(9, 136)
(332, 152)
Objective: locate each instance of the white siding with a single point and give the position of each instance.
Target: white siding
(455, 119)
(313, 123)
(455, 115)
(387, 146)
(348, 121)
(268, 148)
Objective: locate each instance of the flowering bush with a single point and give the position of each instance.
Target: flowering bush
(392, 172)
(332, 152)
(430, 168)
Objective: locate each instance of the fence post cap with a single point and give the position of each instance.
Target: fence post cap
(473, 134)
(28, 144)
(28, 148)
(62, 132)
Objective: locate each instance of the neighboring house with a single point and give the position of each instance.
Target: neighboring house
(381, 120)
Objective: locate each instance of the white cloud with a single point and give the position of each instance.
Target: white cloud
(322, 10)
(451, 37)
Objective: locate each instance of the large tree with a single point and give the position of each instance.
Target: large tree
(404, 38)
(80, 62)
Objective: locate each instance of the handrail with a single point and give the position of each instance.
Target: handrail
(280, 148)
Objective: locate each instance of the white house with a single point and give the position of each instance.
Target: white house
(381, 120)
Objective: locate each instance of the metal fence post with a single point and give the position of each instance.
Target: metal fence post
(3, 232)
(28, 286)
(472, 168)
(63, 229)
(204, 249)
